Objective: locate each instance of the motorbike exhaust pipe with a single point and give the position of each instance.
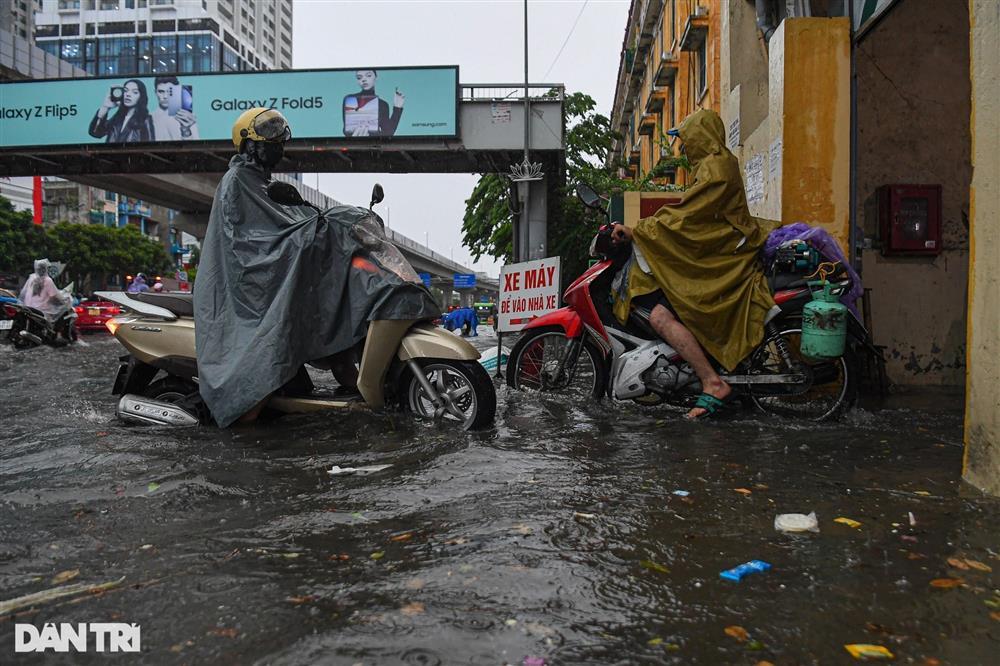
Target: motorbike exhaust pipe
(30, 337)
(145, 411)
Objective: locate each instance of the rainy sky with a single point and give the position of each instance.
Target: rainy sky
(485, 39)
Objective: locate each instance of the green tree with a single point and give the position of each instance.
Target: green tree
(21, 241)
(90, 251)
(487, 228)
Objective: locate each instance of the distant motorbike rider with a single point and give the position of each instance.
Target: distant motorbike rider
(697, 263)
(41, 293)
(138, 285)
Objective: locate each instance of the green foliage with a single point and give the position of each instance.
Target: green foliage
(487, 226)
(21, 241)
(88, 250)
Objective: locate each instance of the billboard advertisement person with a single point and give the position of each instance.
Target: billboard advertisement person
(131, 122)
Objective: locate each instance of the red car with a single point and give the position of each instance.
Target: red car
(91, 315)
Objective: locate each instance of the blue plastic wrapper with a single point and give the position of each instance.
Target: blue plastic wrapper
(745, 569)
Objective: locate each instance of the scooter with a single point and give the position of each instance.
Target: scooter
(27, 327)
(412, 364)
(583, 349)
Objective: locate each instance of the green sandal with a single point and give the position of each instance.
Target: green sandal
(709, 403)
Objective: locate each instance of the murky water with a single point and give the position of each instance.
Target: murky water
(556, 536)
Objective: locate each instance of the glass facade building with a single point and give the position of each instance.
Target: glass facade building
(181, 53)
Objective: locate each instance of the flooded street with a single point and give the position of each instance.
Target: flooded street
(558, 536)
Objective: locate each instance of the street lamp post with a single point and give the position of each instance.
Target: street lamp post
(525, 172)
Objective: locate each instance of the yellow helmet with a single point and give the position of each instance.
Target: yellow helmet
(260, 124)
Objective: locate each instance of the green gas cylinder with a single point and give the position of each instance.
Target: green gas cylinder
(824, 323)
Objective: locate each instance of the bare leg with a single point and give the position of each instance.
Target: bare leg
(345, 372)
(344, 369)
(681, 339)
(254, 412)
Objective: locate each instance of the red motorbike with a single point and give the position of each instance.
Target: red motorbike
(583, 350)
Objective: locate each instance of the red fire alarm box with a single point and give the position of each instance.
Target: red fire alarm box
(910, 219)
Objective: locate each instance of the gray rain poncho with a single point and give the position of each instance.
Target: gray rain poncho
(277, 288)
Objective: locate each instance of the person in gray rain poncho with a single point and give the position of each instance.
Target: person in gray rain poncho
(279, 287)
(41, 293)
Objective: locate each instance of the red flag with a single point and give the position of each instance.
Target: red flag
(36, 198)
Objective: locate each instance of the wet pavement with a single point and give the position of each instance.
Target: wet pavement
(557, 536)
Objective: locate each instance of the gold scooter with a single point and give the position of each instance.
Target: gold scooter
(415, 365)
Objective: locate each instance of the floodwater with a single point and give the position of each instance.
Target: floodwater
(557, 536)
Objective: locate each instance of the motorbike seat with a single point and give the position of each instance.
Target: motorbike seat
(785, 281)
(638, 323)
(181, 305)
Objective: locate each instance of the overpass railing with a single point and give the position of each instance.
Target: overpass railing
(490, 92)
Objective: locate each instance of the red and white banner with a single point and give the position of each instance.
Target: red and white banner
(527, 290)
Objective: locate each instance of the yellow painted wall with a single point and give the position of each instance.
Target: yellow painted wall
(816, 119)
(982, 422)
(800, 153)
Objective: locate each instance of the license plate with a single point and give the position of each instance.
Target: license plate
(6, 324)
(94, 312)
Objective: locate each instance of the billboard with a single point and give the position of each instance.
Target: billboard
(319, 104)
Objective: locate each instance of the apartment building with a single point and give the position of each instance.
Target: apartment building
(20, 18)
(669, 68)
(149, 37)
(126, 37)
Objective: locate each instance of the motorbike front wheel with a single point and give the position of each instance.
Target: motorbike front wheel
(546, 360)
(464, 390)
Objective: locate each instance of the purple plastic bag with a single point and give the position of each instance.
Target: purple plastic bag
(824, 243)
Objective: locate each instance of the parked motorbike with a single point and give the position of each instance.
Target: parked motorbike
(27, 327)
(583, 349)
(415, 365)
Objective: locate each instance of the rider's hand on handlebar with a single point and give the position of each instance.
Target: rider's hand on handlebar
(620, 233)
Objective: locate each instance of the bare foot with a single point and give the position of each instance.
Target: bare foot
(719, 389)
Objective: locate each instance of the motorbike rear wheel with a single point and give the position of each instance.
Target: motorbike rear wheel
(539, 361)
(170, 389)
(832, 385)
(464, 387)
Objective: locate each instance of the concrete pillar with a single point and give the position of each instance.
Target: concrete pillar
(532, 226)
(195, 224)
(793, 144)
(810, 114)
(982, 410)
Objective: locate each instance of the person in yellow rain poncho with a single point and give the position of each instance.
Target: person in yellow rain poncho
(696, 266)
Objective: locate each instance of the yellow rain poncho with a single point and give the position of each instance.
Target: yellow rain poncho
(694, 253)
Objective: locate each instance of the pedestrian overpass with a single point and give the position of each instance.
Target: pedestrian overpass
(183, 176)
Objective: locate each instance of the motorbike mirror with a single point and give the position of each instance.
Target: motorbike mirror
(588, 196)
(284, 193)
(377, 195)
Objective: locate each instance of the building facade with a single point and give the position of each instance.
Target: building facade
(20, 18)
(669, 68)
(135, 37)
(146, 38)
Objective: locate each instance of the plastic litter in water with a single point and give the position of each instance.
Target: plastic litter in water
(681, 493)
(745, 569)
(796, 522)
(489, 358)
(336, 469)
(847, 521)
(867, 651)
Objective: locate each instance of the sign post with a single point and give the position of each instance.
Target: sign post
(528, 290)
